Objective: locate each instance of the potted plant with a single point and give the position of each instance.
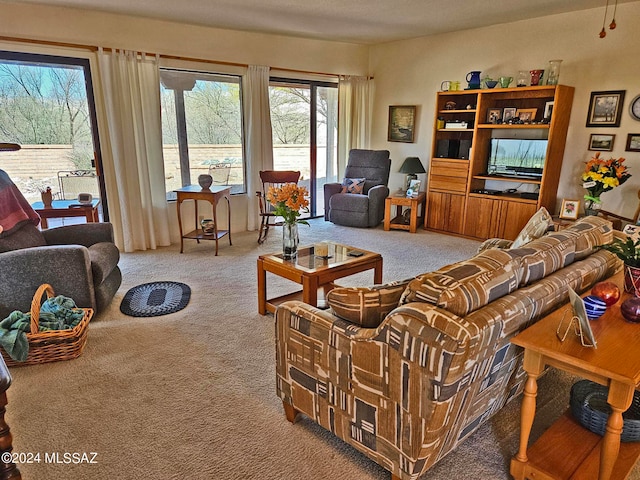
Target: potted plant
(289, 200)
(629, 252)
(600, 176)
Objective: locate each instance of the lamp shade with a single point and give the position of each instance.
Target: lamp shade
(412, 165)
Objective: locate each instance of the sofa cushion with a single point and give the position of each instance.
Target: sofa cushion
(466, 286)
(26, 236)
(104, 258)
(545, 255)
(536, 227)
(366, 306)
(591, 231)
(353, 185)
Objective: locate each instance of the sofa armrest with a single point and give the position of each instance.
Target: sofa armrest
(66, 268)
(377, 195)
(85, 234)
(330, 189)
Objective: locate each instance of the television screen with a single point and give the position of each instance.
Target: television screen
(519, 157)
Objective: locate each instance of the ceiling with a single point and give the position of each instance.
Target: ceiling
(354, 21)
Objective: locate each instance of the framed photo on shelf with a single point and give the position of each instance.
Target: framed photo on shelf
(601, 143)
(605, 108)
(493, 115)
(633, 142)
(402, 120)
(508, 113)
(526, 114)
(569, 210)
(548, 110)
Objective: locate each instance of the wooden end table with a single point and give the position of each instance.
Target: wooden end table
(213, 195)
(313, 272)
(66, 209)
(567, 450)
(401, 201)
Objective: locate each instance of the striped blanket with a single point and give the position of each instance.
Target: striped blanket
(14, 208)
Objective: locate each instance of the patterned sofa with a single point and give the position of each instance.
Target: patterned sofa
(406, 371)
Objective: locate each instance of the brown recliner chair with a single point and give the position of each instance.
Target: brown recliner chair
(78, 261)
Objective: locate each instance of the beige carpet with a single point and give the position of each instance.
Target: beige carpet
(191, 395)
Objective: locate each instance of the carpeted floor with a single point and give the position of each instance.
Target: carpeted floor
(191, 395)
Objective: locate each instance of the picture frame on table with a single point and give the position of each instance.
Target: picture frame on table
(414, 188)
(548, 110)
(605, 108)
(569, 209)
(633, 142)
(601, 142)
(587, 338)
(508, 113)
(526, 114)
(402, 119)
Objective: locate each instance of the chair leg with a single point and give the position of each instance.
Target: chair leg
(290, 412)
(264, 229)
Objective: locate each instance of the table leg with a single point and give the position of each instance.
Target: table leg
(214, 204)
(310, 290)
(619, 399)
(533, 365)
(413, 224)
(387, 214)
(178, 203)
(377, 272)
(88, 213)
(44, 223)
(262, 288)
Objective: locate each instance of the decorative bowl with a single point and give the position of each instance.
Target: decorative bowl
(630, 309)
(491, 83)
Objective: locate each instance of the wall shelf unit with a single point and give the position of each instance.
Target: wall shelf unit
(458, 199)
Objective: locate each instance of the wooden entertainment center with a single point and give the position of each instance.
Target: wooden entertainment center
(462, 198)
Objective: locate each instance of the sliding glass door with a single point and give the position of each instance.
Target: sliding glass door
(304, 119)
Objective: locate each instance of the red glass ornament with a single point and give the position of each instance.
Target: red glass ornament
(607, 291)
(630, 309)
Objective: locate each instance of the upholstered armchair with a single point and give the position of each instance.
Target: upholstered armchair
(366, 169)
(78, 261)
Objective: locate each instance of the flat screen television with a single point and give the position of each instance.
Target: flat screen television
(511, 157)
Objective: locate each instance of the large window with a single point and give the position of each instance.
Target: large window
(202, 129)
(46, 106)
(304, 124)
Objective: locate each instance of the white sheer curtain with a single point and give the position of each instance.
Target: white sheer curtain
(355, 104)
(134, 167)
(259, 141)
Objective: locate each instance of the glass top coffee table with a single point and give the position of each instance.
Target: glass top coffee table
(314, 272)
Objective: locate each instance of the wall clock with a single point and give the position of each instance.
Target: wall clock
(634, 108)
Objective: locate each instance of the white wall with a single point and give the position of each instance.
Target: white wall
(410, 73)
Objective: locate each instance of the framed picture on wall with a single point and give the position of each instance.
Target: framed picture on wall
(633, 142)
(601, 143)
(402, 121)
(605, 108)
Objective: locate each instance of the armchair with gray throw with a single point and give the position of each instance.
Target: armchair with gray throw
(359, 200)
(78, 261)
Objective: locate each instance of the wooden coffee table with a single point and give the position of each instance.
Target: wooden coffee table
(567, 450)
(313, 273)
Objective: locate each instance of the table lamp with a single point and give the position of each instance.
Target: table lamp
(411, 166)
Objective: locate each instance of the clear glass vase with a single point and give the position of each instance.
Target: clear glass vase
(290, 241)
(554, 72)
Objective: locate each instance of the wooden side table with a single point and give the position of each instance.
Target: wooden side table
(567, 450)
(213, 195)
(66, 209)
(401, 201)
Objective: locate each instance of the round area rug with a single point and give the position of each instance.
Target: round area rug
(155, 298)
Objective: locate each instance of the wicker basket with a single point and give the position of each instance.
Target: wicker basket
(589, 406)
(52, 345)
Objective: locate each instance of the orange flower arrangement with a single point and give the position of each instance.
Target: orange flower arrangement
(289, 201)
(602, 175)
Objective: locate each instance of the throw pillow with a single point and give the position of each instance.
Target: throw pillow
(353, 185)
(366, 306)
(536, 227)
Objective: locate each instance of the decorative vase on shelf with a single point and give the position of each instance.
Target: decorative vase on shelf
(290, 240)
(554, 72)
(205, 180)
(47, 198)
(632, 280)
(592, 206)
